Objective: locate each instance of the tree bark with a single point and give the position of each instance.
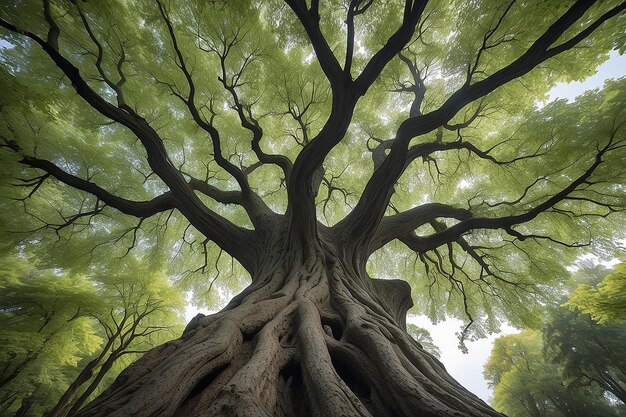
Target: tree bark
(309, 337)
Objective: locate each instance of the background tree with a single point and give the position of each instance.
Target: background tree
(423, 337)
(62, 335)
(605, 301)
(140, 310)
(574, 367)
(525, 384)
(43, 334)
(252, 135)
(591, 354)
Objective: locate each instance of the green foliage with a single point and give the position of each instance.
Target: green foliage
(526, 384)
(93, 262)
(605, 301)
(44, 336)
(574, 367)
(52, 323)
(569, 131)
(424, 338)
(591, 354)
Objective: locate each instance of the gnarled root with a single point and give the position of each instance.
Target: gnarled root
(317, 343)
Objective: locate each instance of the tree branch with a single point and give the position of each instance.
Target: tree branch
(309, 19)
(140, 209)
(391, 227)
(360, 225)
(217, 228)
(506, 223)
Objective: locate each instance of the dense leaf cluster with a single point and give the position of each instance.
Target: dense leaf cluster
(575, 367)
(60, 331)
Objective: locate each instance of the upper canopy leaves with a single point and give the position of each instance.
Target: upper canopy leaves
(217, 124)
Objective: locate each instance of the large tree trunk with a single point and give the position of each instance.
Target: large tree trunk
(307, 338)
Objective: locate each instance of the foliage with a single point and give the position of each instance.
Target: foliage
(231, 141)
(590, 353)
(574, 358)
(424, 338)
(526, 384)
(490, 157)
(605, 301)
(43, 334)
(53, 325)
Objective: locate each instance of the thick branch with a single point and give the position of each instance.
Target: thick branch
(413, 13)
(345, 96)
(325, 56)
(363, 220)
(399, 224)
(451, 234)
(217, 228)
(221, 196)
(140, 209)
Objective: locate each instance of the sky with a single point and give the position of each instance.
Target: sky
(468, 368)
(615, 67)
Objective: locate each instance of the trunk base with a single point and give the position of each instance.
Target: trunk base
(314, 341)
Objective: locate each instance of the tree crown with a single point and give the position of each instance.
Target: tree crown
(395, 133)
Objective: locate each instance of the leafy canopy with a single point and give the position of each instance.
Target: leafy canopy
(525, 383)
(54, 324)
(573, 367)
(605, 301)
(181, 132)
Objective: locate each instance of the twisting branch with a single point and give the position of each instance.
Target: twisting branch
(99, 55)
(360, 225)
(331, 187)
(244, 111)
(300, 107)
(212, 225)
(418, 87)
(253, 204)
(310, 19)
(345, 94)
(355, 8)
(392, 227)
(189, 101)
(506, 223)
(140, 209)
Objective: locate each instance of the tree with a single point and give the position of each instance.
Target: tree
(36, 309)
(605, 301)
(42, 333)
(525, 384)
(591, 354)
(423, 337)
(62, 334)
(247, 129)
(140, 310)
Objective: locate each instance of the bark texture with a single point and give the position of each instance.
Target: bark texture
(309, 337)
